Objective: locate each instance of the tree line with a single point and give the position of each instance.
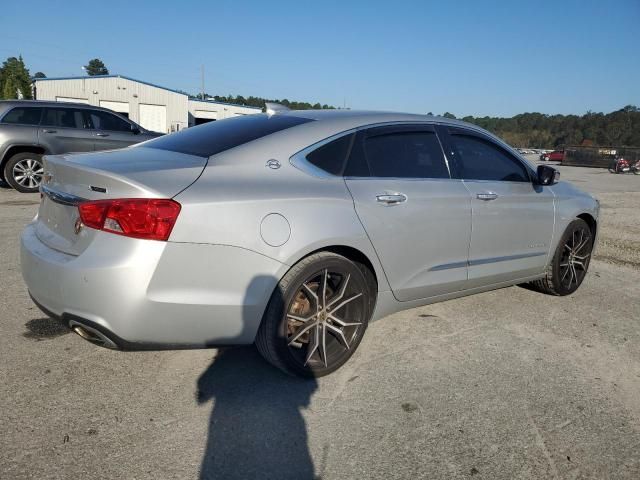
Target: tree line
(259, 102)
(537, 130)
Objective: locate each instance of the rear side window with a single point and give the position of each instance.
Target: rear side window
(331, 156)
(215, 137)
(24, 116)
(480, 159)
(63, 117)
(107, 121)
(405, 155)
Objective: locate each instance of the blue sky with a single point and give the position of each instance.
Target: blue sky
(467, 57)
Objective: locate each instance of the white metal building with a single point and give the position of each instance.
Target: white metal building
(155, 108)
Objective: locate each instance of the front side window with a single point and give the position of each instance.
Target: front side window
(107, 121)
(408, 154)
(24, 116)
(480, 159)
(63, 117)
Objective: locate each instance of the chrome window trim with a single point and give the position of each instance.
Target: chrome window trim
(300, 161)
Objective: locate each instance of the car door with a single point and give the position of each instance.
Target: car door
(111, 131)
(512, 217)
(417, 217)
(63, 130)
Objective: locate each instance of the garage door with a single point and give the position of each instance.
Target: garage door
(72, 100)
(120, 107)
(153, 117)
(208, 114)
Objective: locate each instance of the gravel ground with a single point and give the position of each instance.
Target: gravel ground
(506, 384)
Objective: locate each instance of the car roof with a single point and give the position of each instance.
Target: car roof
(46, 103)
(371, 116)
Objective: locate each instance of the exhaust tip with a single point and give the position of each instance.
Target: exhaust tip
(92, 335)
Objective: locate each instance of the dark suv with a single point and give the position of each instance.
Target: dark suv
(30, 129)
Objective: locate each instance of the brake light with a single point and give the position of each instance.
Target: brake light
(148, 218)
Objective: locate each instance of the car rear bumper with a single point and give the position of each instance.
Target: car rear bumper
(144, 294)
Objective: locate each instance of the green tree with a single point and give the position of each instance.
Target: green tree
(15, 81)
(448, 115)
(39, 75)
(96, 67)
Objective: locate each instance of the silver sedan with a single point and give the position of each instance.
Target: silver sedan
(293, 230)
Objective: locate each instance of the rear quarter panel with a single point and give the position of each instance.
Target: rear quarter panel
(236, 191)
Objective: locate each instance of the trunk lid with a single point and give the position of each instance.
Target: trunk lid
(136, 172)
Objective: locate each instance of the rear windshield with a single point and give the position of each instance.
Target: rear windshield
(215, 137)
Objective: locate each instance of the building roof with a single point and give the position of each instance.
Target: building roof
(194, 99)
(91, 77)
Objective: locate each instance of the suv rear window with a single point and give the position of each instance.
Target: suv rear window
(24, 116)
(215, 137)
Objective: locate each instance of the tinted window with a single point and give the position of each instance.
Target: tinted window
(406, 155)
(63, 117)
(215, 137)
(107, 121)
(480, 159)
(331, 156)
(24, 116)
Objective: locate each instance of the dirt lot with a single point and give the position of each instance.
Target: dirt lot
(506, 384)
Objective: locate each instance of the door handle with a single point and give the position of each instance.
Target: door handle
(50, 131)
(391, 199)
(102, 134)
(487, 196)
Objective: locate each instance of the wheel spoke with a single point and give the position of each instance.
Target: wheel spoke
(339, 334)
(302, 331)
(342, 323)
(565, 273)
(582, 245)
(340, 294)
(582, 257)
(18, 167)
(300, 319)
(310, 292)
(314, 347)
(344, 302)
(322, 347)
(323, 289)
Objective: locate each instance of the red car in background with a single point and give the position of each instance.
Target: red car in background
(555, 156)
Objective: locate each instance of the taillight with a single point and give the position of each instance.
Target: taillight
(148, 218)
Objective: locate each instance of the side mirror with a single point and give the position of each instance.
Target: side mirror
(547, 175)
(135, 130)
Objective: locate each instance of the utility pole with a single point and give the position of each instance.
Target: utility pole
(202, 80)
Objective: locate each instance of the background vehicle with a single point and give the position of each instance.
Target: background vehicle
(619, 165)
(294, 230)
(30, 129)
(554, 156)
(635, 168)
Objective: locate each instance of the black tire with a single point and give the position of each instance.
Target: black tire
(24, 172)
(563, 275)
(289, 343)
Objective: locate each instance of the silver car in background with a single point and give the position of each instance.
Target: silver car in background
(293, 230)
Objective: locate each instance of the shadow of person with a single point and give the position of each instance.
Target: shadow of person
(256, 429)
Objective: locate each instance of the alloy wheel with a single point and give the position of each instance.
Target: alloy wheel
(574, 261)
(324, 319)
(28, 172)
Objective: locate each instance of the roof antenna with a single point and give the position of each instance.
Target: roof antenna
(273, 108)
